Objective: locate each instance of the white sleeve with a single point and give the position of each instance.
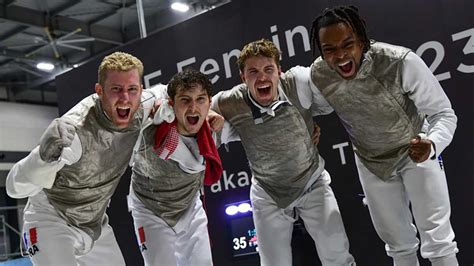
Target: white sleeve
(31, 174)
(148, 101)
(308, 94)
(228, 132)
(214, 104)
(159, 91)
(150, 96)
(425, 91)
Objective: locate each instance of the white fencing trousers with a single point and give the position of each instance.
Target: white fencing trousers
(185, 244)
(317, 207)
(424, 186)
(52, 242)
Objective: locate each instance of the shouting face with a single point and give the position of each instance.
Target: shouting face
(120, 96)
(190, 106)
(341, 49)
(261, 74)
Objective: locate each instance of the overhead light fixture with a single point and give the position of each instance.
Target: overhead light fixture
(181, 7)
(45, 66)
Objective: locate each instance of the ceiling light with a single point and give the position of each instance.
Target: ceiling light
(180, 7)
(45, 66)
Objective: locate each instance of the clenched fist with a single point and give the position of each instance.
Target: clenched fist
(58, 135)
(216, 121)
(420, 149)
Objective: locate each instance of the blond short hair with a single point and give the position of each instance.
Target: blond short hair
(119, 61)
(261, 47)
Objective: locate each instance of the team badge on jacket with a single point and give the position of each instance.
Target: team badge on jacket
(31, 241)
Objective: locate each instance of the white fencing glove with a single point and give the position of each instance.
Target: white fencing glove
(58, 135)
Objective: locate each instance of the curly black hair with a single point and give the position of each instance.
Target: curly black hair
(335, 15)
(187, 79)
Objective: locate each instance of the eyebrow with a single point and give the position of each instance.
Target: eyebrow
(349, 38)
(264, 67)
(189, 96)
(121, 86)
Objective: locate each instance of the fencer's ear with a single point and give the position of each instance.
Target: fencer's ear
(170, 102)
(242, 76)
(98, 89)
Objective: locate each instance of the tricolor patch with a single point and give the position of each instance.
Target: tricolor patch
(33, 236)
(30, 240)
(141, 239)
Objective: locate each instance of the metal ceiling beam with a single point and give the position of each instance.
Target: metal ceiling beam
(12, 32)
(68, 4)
(33, 18)
(21, 56)
(32, 72)
(8, 2)
(117, 9)
(162, 20)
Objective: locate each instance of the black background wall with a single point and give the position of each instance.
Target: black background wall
(441, 31)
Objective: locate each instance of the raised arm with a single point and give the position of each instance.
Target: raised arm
(308, 94)
(59, 145)
(228, 132)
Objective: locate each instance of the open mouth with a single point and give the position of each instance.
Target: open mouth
(346, 68)
(264, 91)
(192, 119)
(123, 112)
